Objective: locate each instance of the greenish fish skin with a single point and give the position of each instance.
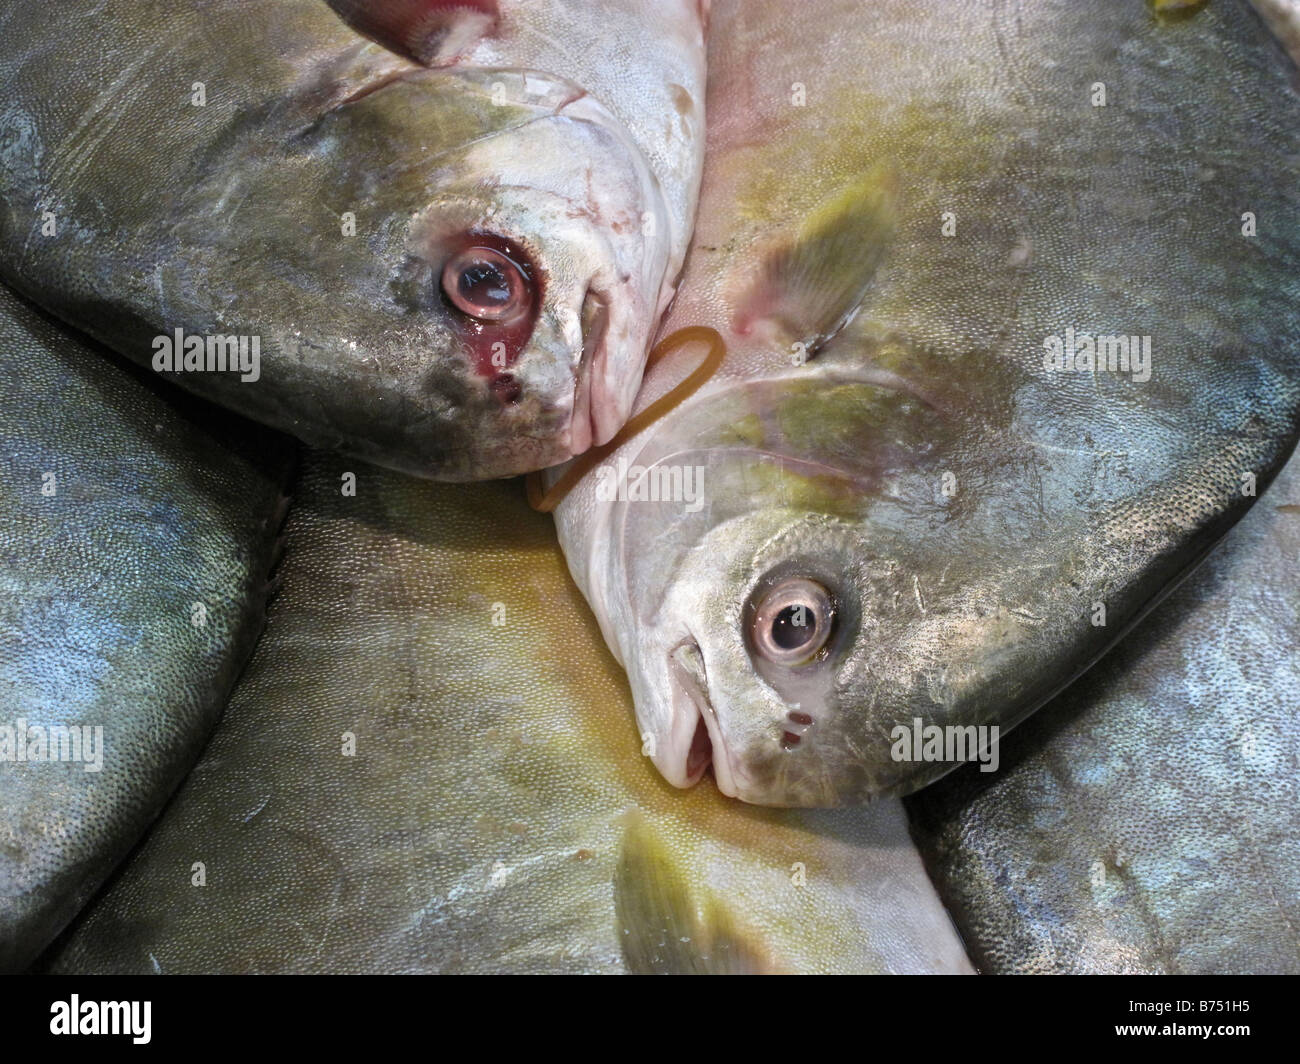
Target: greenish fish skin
(242, 169)
(488, 819)
(984, 525)
(1146, 821)
(136, 549)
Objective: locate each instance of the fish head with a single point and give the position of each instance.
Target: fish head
(744, 656)
(797, 598)
(454, 272)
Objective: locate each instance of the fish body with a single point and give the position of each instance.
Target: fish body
(1146, 821)
(1009, 296)
(445, 253)
(137, 548)
(423, 769)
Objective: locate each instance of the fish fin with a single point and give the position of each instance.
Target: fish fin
(1177, 9)
(660, 926)
(812, 284)
(430, 32)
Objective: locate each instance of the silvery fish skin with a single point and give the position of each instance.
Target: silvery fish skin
(1147, 820)
(1283, 18)
(488, 819)
(962, 525)
(450, 266)
(137, 548)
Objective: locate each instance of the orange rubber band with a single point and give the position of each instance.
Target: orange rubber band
(546, 500)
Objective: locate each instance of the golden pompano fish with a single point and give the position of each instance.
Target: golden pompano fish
(1010, 295)
(445, 252)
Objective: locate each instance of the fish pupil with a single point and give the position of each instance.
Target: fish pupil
(792, 627)
(485, 284)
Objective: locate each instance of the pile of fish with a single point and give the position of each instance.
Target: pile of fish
(889, 373)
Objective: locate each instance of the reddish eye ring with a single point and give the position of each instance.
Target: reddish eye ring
(486, 285)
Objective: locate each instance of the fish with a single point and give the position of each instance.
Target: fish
(440, 244)
(1146, 821)
(422, 769)
(138, 534)
(1008, 298)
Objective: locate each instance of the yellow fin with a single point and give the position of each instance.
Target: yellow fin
(662, 929)
(812, 284)
(1177, 9)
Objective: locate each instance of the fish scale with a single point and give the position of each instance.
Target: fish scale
(1145, 821)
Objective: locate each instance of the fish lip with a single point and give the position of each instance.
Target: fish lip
(691, 709)
(590, 422)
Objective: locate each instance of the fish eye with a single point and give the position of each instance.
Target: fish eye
(487, 285)
(793, 621)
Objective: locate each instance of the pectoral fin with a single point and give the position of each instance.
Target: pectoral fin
(427, 31)
(664, 931)
(811, 284)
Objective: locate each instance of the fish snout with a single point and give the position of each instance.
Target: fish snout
(579, 366)
(596, 412)
(693, 740)
(762, 749)
(565, 384)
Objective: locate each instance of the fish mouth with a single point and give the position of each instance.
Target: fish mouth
(597, 414)
(694, 740)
